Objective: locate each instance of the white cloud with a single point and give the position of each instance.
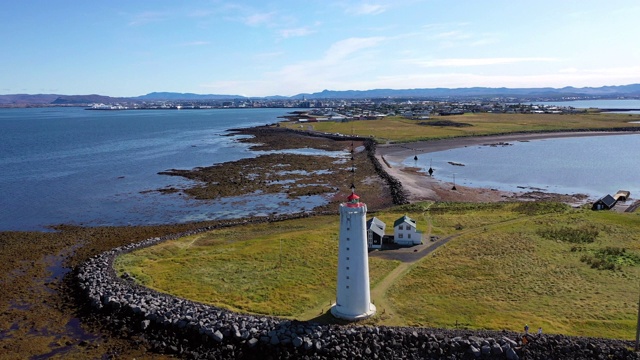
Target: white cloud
(368, 9)
(201, 13)
(297, 32)
(452, 35)
(268, 55)
(300, 79)
(195, 43)
(147, 17)
(484, 41)
(344, 48)
(258, 19)
(461, 62)
(341, 62)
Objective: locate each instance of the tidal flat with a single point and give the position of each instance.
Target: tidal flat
(40, 312)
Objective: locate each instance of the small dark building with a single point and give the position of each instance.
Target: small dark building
(375, 233)
(604, 203)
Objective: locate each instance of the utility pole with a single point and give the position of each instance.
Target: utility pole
(638, 327)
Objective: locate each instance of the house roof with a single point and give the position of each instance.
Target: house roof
(607, 200)
(404, 219)
(622, 195)
(376, 225)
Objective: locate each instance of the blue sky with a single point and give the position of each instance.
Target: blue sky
(260, 48)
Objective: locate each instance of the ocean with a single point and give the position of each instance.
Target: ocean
(601, 104)
(98, 168)
(595, 166)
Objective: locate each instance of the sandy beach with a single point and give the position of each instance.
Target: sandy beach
(421, 187)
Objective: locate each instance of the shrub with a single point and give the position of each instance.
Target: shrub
(582, 235)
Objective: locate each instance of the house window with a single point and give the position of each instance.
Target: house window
(409, 236)
(399, 227)
(399, 236)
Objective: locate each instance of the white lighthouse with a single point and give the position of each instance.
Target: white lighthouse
(353, 296)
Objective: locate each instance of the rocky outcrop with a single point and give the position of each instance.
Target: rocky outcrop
(398, 194)
(194, 330)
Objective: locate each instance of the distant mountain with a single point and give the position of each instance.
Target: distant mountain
(547, 93)
(55, 99)
(483, 92)
(20, 99)
(156, 96)
(85, 99)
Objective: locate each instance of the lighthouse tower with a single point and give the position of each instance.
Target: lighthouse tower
(353, 298)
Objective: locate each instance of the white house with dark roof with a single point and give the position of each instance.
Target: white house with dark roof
(405, 232)
(375, 233)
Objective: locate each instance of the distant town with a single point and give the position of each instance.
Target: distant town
(354, 109)
(348, 104)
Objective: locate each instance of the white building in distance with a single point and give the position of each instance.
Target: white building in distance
(405, 232)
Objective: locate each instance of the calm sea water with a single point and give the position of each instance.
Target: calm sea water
(595, 166)
(95, 168)
(600, 104)
(73, 166)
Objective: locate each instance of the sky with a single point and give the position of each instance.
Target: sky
(262, 48)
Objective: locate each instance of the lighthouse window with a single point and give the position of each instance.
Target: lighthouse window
(347, 258)
(347, 268)
(347, 249)
(347, 286)
(347, 239)
(347, 278)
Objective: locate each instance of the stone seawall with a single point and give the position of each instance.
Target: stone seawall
(194, 330)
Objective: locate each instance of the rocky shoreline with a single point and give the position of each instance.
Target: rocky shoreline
(193, 330)
(40, 315)
(188, 329)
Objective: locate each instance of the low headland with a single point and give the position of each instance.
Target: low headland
(45, 313)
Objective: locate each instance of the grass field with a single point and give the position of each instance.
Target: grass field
(283, 268)
(510, 264)
(510, 273)
(398, 129)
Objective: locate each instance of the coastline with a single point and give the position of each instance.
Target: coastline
(421, 187)
(38, 265)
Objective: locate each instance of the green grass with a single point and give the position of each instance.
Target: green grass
(502, 270)
(280, 268)
(398, 129)
(509, 275)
